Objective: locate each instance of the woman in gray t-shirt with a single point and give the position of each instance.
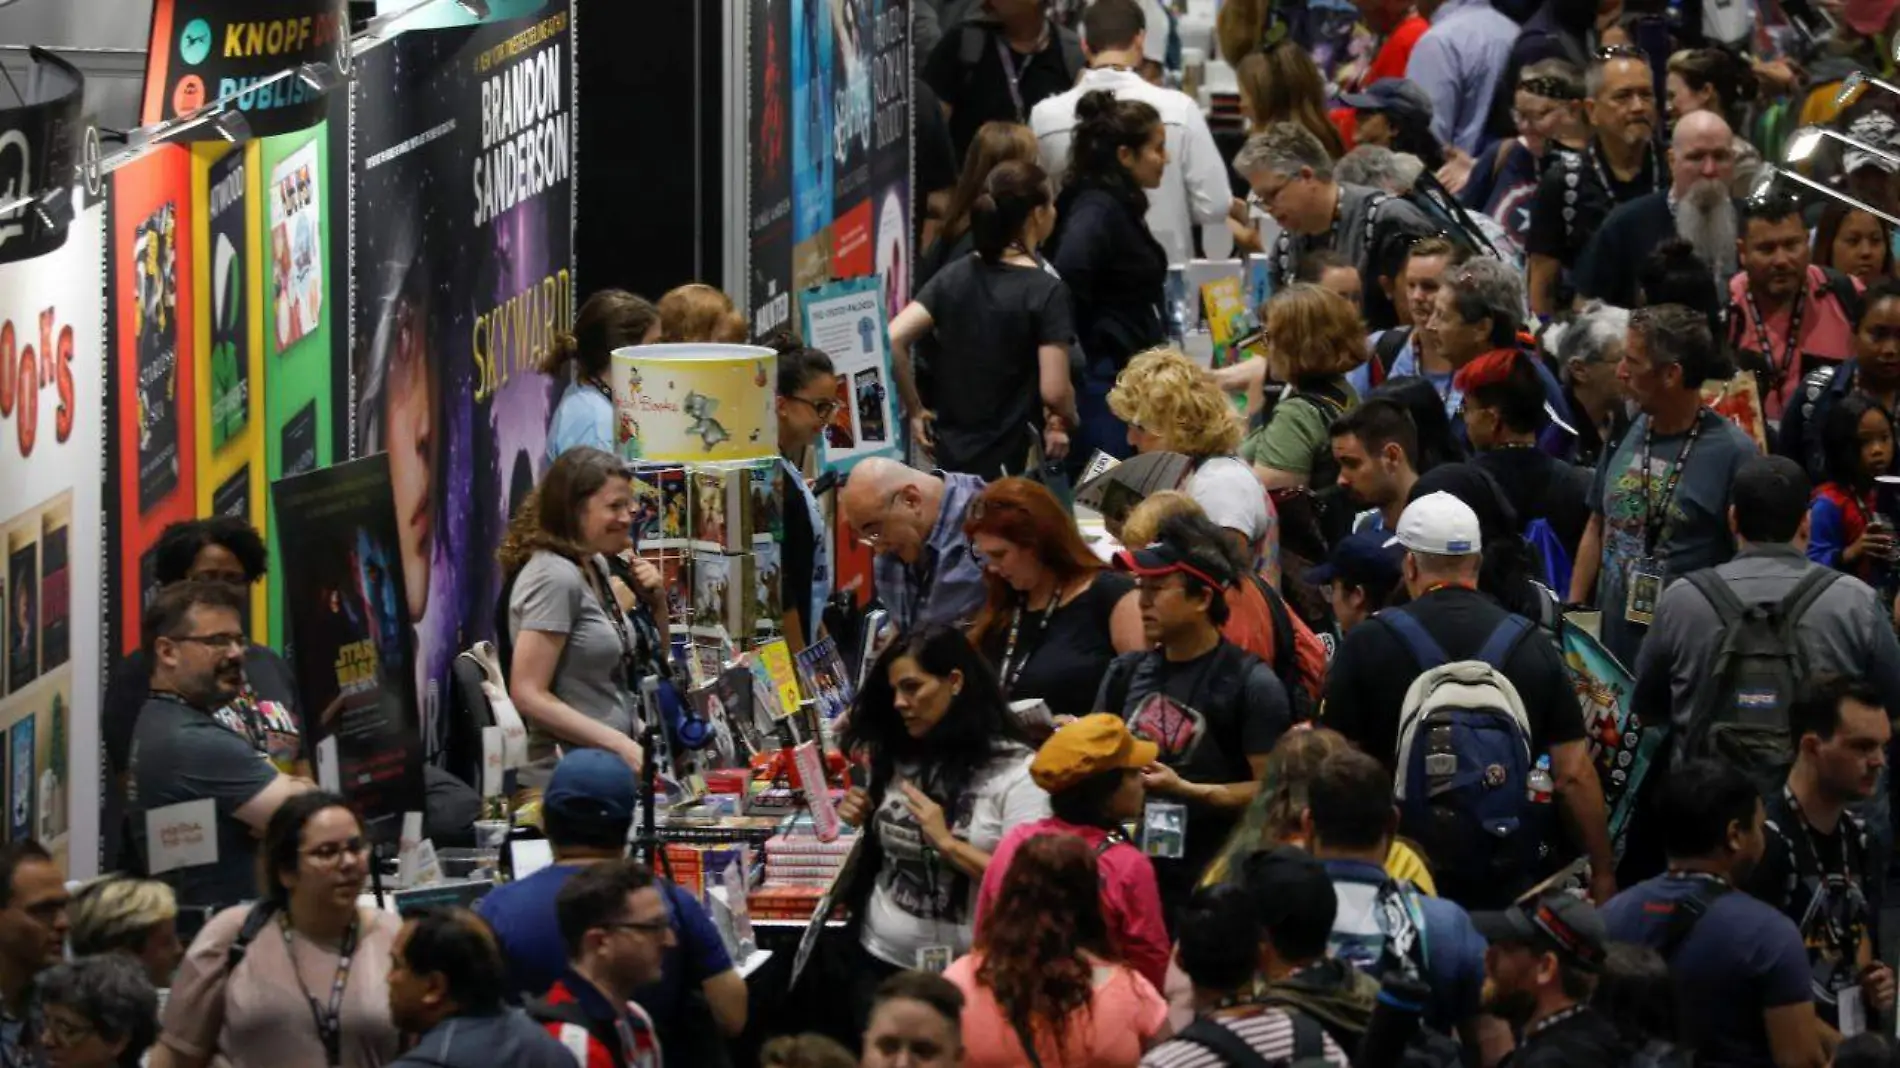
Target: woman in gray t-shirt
(571, 675)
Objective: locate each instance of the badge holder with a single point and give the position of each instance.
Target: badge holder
(1645, 590)
(1164, 829)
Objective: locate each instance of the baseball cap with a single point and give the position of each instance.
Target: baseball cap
(1366, 558)
(1562, 923)
(1164, 558)
(1090, 745)
(1877, 129)
(1399, 95)
(592, 788)
(1439, 524)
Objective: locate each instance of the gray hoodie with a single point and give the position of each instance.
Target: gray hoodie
(508, 1038)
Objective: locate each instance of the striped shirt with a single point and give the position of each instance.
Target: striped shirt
(1268, 1032)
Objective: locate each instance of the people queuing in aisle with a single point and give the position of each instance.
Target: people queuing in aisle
(608, 320)
(1054, 614)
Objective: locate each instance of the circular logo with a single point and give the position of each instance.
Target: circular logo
(188, 95)
(195, 43)
(89, 161)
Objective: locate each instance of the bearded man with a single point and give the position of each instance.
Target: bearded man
(1696, 207)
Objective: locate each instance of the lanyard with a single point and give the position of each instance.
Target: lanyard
(1533, 1030)
(1791, 345)
(603, 589)
(1839, 937)
(1653, 527)
(600, 387)
(329, 1020)
(1603, 176)
(1013, 74)
(1013, 668)
(1283, 247)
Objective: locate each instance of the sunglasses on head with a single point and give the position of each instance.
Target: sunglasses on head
(1622, 51)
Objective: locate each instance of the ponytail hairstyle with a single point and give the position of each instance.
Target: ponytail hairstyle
(698, 312)
(995, 143)
(1105, 125)
(1011, 195)
(1714, 68)
(608, 320)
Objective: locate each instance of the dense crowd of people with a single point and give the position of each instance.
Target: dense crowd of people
(1507, 678)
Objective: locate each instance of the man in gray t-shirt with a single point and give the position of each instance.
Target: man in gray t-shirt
(181, 753)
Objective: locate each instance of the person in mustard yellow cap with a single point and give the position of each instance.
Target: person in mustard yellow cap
(1091, 769)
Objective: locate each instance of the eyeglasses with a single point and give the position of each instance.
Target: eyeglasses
(332, 852)
(216, 641)
(643, 926)
(67, 1033)
(823, 409)
(872, 533)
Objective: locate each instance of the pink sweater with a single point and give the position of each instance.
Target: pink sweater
(1131, 903)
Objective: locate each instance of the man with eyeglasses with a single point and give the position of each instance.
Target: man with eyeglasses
(33, 926)
(614, 924)
(1579, 191)
(925, 570)
(187, 766)
(1292, 179)
(1697, 207)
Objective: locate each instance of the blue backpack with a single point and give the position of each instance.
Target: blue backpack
(1465, 765)
(1550, 553)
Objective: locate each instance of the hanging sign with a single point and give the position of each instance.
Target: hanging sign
(206, 50)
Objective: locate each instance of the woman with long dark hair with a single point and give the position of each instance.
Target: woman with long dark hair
(1054, 615)
(1043, 984)
(314, 954)
(1115, 269)
(574, 649)
(949, 774)
(1002, 325)
(996, 143)
(1854, 242)
(608, 320)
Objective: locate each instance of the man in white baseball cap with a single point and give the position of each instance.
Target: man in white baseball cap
(1446, 620)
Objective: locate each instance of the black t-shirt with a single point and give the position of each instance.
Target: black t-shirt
(1207, 715)
(1801, 864)
(990, 321)
(1572, 201)
(1606, 268)
(979, 92)
(1540, 486)
(1067, 657)
(1366, 684)
(1584, 1039)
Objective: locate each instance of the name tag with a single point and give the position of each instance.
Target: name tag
(184, 835)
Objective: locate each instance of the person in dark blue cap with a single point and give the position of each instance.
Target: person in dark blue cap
(587, 811)
(1362, 571)
(1397, 114)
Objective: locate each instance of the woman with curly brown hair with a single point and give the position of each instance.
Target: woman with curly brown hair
(1313, 338)
(1043, 973)
(574, 650)
(699, 312)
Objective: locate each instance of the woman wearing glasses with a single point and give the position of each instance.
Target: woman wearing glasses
(1054, 615)
(100, 1012)
(1002, 325)
(807, 401)
(310, 985)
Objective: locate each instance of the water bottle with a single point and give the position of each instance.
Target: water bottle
(1540, 787)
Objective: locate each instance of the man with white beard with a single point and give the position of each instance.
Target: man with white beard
(1696, 207)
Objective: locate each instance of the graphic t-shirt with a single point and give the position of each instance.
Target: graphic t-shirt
(180, 754)
(920, 899)
(1695, 533)
(1815, 880)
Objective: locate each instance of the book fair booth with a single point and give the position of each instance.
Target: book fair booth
(309, 289)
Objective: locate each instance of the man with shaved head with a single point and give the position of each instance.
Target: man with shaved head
(925, 570)
(1696, 207)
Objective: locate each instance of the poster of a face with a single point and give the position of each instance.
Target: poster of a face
(296, 274)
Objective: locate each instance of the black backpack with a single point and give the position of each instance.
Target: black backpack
(1309, 1043)
(1739, 715)
(974, 48)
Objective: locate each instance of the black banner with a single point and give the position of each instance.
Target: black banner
(39, 145)
(769, 170)
(205, 50)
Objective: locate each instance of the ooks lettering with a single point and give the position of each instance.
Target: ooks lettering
(25, 370)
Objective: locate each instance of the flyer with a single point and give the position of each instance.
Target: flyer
(846, 320)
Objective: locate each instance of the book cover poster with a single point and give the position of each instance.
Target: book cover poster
(296, 248)
(56, 585)
(226, 209)
(350, 640)
(22, 780)
(23, 607)
(155, 274)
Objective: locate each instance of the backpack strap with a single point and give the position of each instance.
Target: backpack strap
(1715, 589)
(254, 923)
(1687, 913)
(1504, 638)
(1230, 1047)
(1842, 287)
(1387, 349)
(1424, 648)
(1807, 591)
(1309, 1038)
(1285, 655)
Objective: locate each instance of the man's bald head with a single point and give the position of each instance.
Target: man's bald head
(1701, 151)
(892, 506)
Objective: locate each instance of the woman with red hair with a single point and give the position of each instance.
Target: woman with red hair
(1055, 615)
(1043, 973)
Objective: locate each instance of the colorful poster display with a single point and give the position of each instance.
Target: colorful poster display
(462, 274)
(51, 517)
(828, 179)
(350, 637)
(204, 50)
(846, 320)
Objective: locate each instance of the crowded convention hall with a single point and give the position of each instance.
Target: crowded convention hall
(928, 533)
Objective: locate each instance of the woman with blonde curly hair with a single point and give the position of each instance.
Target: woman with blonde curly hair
(1170, 405)
(699, 312)
(1314, 336)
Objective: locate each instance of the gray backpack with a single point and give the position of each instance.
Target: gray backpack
(1740, 713)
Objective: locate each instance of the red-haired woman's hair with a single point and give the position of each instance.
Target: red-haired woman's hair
(1025, 513)
(1047, 914)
